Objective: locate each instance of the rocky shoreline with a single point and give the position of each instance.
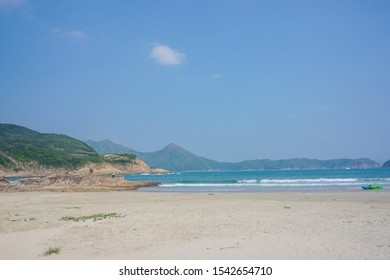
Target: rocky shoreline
(136, 167)
(68, 182)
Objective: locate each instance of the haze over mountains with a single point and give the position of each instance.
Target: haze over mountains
(175, 158)
(24, 149)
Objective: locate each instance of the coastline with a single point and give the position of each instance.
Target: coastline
(148, 225)
(72, 182)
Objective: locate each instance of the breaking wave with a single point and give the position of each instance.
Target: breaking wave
(281, 182)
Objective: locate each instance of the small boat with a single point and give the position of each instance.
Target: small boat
(370, 187)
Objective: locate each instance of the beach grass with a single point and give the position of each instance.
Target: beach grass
(95, 217)
(52, 250)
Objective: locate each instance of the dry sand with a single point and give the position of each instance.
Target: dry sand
(354, 225)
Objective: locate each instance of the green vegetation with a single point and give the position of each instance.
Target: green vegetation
(119, 159)
(51, 251)
(95, 217)
(20, 146)
(4, 161)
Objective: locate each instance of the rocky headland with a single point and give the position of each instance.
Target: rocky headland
(94, 177)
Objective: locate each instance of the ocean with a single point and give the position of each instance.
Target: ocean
(267, 181)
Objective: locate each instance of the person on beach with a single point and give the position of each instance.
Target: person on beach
(113, 175)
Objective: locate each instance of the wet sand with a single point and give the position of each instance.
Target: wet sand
(353, 225)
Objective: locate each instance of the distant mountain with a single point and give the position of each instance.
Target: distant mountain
(305, 163)
(109, 147)
(175, 158)
(22, 148)
(172, 157)
(386, 164)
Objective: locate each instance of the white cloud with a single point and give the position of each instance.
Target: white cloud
(77, 34)
(9, 4)
(73, 34)
(166, 55)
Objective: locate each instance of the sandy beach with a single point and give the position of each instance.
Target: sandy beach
(143, 225)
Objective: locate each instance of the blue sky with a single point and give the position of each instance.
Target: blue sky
(229, 80)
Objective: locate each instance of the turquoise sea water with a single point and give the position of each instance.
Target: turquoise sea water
(267, 181)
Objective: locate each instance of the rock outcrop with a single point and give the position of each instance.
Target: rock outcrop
(112, 164)
(72, 183)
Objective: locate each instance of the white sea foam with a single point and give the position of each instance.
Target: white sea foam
(156, 174)
(308, 181)
(299, 181)
(199, 185)
(282, 182)
(248, 181)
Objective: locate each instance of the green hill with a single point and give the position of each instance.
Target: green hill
(22, 148)
(387, 164)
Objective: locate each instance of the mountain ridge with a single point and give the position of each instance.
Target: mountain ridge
(26, 151)
(175, 158)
